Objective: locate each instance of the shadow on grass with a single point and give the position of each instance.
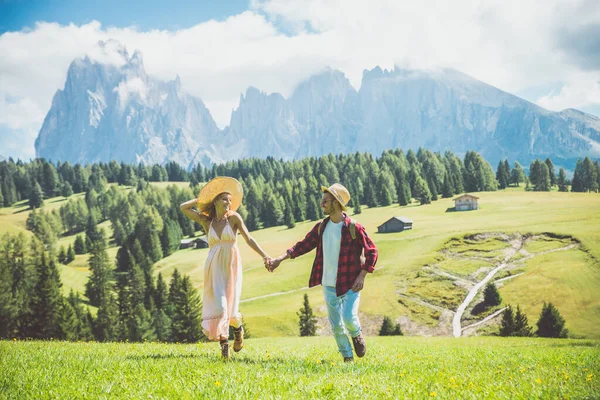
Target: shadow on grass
(451, 209)
(167, 356)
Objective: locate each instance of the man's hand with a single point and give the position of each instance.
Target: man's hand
(267, 261)
(360, 281)
(274, 264)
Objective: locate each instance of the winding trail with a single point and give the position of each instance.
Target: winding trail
(516, 246)
(456, 327)
(486, 319)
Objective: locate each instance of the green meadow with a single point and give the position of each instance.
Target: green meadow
(298, 368)
(421, 272)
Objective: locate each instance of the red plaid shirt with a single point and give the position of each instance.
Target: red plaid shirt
(349, 264)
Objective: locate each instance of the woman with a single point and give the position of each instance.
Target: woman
(216, 205)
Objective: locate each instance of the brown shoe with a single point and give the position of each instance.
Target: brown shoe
(224, 349)
(238, 338)
(348, 359)
(360, 346)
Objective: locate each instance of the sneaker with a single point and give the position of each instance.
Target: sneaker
(238, 338)
(348, 359)
(224, 349)
(360, 346)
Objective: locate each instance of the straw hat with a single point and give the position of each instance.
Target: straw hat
(218, 185)
(339, 192)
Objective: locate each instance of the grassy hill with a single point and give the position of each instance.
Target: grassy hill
(422, 274)
(299, 368)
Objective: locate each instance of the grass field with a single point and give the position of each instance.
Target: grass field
(569, 279)
(298, 368)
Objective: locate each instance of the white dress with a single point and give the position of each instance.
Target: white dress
(222, 284)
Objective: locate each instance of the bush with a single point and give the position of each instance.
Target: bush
(551, 324)
(491, 296)
(388, 328)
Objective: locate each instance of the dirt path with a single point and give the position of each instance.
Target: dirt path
(516, 245)
(486, 319)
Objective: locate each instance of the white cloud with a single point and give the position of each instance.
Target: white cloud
(578, 93)
(510, 44)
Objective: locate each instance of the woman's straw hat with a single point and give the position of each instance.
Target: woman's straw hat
(340, 193)
(218, 185)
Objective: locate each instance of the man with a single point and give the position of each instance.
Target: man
(340, 242)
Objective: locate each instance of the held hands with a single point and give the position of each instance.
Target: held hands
(272, 263)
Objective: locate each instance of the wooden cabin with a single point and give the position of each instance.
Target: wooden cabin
(395, 224)
(466, 202)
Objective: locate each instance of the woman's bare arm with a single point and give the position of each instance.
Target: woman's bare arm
(238, 223)
(194, 215)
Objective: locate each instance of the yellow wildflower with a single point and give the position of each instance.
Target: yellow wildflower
(433, 394)
(538, 380)
(218, 383)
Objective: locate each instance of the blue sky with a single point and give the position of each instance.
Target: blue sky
(545, 51)
(148, 14)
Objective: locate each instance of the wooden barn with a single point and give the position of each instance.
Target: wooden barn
(187, 243)
(198, 243)
(202, 243)
(466, 202)
(395, 224)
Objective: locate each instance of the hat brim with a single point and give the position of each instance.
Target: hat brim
(335, 196)
(218, 185)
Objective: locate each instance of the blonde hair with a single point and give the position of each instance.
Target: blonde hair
(210, 209)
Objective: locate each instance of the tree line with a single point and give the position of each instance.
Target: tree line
(146, 225)
(32, 304)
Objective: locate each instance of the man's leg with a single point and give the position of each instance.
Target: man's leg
(351, 300)
(334, 313)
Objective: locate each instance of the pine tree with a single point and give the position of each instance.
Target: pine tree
(517, 175)
(403, 188)
(507, 326)
(422, 192)
(62, 255)
(70, 255)
(491, 296)
(551, 172)
(100, 282)
(551, 324)
(447, 190)
(356, 208)
(307, 320)
(46, 307)
(522, 327)
(105, 326)
(92, 232)
(36, 198)
(501, 176)
(79, 246)
(66, 190)
(543, 184)
(578, 182)
(562, 181)
(312, 211)
(389, 329)
(162, 322)
(187, 314)
(170, 237)
(289, 217)
(83, 328)
(386, 327)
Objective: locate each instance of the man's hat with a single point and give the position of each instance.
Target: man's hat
(218, 185)
(339, 192)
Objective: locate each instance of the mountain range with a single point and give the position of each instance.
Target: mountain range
(118, 112)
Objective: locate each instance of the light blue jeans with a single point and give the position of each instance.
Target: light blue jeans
(343, 312)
